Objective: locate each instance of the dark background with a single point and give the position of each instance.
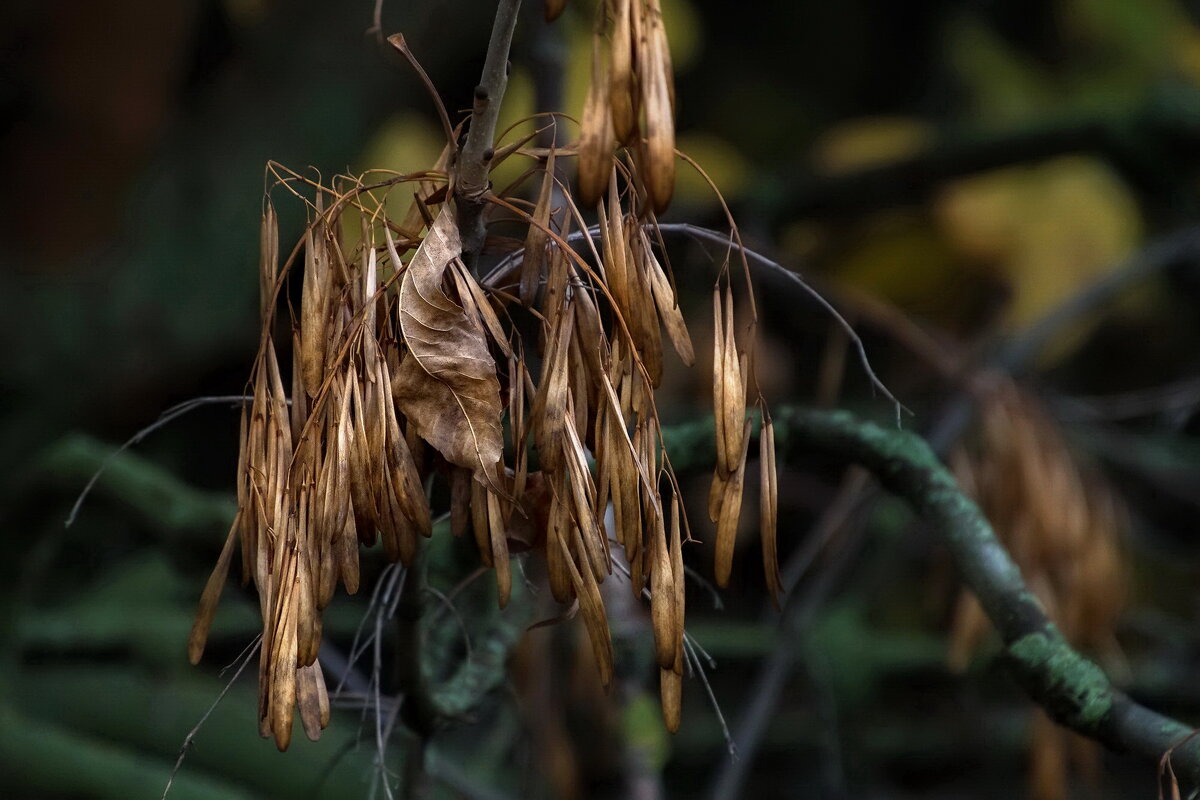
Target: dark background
(972, 163)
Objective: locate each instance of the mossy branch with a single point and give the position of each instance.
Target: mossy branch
(1071, 688)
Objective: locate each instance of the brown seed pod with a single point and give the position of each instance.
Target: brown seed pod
(668, 305)
(591, 607)
(733, 392)
(499, 548)
(312, 699)
(731, 508)
(662, 595)
(670, 682)
(533, 265)
(622, 91)
(769, 507)
(596, 140)
(313, 308)
(654, 77)
(268, 263)
(212, 595)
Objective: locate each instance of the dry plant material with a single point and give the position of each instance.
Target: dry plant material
(405, 370)
(1062, 524)
(630, 102)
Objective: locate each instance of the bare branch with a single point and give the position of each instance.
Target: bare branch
(474, 162)
(1071, 688)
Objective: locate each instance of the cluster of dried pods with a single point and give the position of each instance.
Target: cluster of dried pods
(1063, 527)
(630, 102)
(407, 369)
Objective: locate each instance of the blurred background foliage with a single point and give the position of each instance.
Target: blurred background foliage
(950, 172)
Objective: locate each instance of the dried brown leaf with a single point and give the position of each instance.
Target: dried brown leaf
(446, 385)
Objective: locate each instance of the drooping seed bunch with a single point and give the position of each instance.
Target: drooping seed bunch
(1063, 527)
(408, 369)
(631, 101)
(1061, 523)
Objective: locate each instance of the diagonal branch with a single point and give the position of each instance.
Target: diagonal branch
(1071, 688)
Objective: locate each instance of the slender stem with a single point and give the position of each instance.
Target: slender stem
(419, 712)
(474, 161)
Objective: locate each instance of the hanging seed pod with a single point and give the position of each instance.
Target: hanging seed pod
(554, 9)
(655, 78)
(769, 507)
(622, 95)
(557, 556)
(596, 141)
(533, 265)
(668, 305)
(731, 508)
(314, 317)
(662, 594)
(268, 260)
(212, 595)
(670, 682)
(479, 522)
(733, 391)
(720, 415)
(591, 607)
(680, 577)
(499, 548)
(313, 700)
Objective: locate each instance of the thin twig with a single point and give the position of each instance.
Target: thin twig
(474, 161)
(505, 267)
(171, 414)
(248, 654)
(397, 41)
(699, 234)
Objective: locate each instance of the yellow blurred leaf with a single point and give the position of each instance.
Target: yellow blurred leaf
(1046, 229)
(868, 142)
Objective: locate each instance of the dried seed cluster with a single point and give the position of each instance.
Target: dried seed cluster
(1062, 527)
(1061, 524)
(407, 369)
(630, 102)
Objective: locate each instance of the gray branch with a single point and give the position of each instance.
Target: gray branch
(474, 161)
